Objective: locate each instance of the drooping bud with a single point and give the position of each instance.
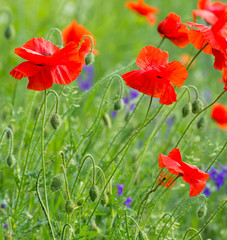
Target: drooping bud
(89, 59)
(93, 192)
(186, 110)
(118, 104)
(201, 124)
(202, 211)
(57, 182)
(107, 121)
(69, 206)
(55, 121)
(80, 202)
(197, 106)
(142, 235)
(10, 160)
(104, 199)
(9, 32)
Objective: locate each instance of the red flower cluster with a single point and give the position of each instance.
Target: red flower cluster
(219, 114)
(192, 175)
(143, 9)
(173, 29)
(209, 11)
(216, 37)
(156, 75)
(75, 32)
(47, 64)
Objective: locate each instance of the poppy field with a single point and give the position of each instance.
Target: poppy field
(113, 119)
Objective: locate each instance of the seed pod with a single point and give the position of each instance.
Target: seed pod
(93, 192)
(201, 124)
(89, 59)
(107, 121)
(197, 106)
(55, 121)
(69, 206)
(142, 235)
(202, 211)
(9, 32)
(80, 202)
(10, 160)
(186, 110)
(104, 199)
(57, 182)
(118, 104)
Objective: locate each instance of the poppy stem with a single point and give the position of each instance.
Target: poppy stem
(148, 109)
(126, 223)
(189, 230)
(81, 42)
(56, 98)
(196, 91)
(59, 35)
(208, 106)
(63, 230)
(161, 42)
(193, 59)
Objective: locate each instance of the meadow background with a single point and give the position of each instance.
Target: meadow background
(120, 34)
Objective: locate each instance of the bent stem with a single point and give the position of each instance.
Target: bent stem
(81, 42)
(189, 230)
(204, 109)
(59, 35)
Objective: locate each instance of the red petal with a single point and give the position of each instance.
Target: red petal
(220, 59)
(208, 16)
(25, 69)
(175, 154)
(168, 95)
(150, 57)
(196, 187)
(176, 73)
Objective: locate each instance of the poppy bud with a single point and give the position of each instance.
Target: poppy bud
(9, 32)
(93, 192)
(55, 121)
(107, 121)
(8, 236)
(186, 110)
(118, 104)
(201, 124)
(10, 160)
(142, 235)
(69, 206)
(104, 199)
(89, 59)
(80, 202)
(57, 182)
(197, 106)
(202, 211)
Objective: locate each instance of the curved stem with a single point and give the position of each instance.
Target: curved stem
(189, 94)
(196, 91)
(92, 42)
(103, 175)
(66, 182)
(63, 230)
(56, 98)
(56, 30)
(189, 230)
(204, 109)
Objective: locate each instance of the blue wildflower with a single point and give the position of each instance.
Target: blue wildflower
(207, 191)
(86, 78)
(5, 225)
(133, 94)
(3, 205)
(128, 201)
(120, 188)
(114, 114)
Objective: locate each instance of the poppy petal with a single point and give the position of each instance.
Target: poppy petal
(220, 61)
(173, 166)
(150, 57)
(25, 69)
(168, 95)
(196, 187)
(176, 73)
(208, 16)
(175, 154)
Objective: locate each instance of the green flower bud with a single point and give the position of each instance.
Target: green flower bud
(69, 206)
(55, 121)
(57, 182)
(118, 104)
(201, 124)
(142, 235)
(93, 192)
(202, 211)
(186, 110)
(80, 202)
(10, 160)
(197, 106)
(89, 59)
(104, 199)
(9, 32)
(107, 121)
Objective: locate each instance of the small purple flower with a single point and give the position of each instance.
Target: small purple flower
(125, 100)
(85, 79)
(220, 181)
(207, 191)
(5, 225)
(114, 114)
(133, 94)
(213, 174)
(128, 201)
(120, 188)
(132, 107)
(3, 205)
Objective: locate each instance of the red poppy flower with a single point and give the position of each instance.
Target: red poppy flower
(224, 77)
(173, 29)
(156, 75)
(143, 9)
(47, 64)
(219, 114)
(75, 32)
(169, 180)
(216, 37)
(192, 175)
